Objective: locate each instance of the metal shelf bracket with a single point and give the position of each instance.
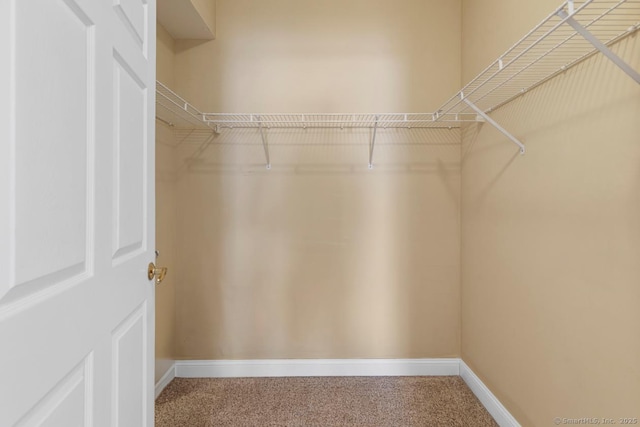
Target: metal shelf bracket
(493, 123)
(372, 144)
(568, 18)
(265, 143)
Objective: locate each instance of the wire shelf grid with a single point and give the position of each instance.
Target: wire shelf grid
(549, 49)
(341, 121)
(177, 113)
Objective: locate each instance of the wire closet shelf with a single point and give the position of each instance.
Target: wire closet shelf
(174, 111)
(550, 48)
(572, 33)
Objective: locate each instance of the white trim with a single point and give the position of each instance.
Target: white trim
(484, 395)
(316, 368)
(165, 380)
(341, 368)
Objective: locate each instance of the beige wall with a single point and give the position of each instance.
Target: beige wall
(551, 239)
(166, 210)
(329, 56)
(320, 257)
(490, 27)
(207, 11)
(165, 56)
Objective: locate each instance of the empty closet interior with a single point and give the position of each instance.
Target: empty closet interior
(407, 179)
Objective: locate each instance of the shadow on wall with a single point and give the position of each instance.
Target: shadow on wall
(320, 257)
(556, 108)
(304, 56)
(551, 242)
(329, 151)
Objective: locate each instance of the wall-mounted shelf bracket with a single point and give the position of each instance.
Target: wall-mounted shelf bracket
(568, 18)
(493, 123)
(372, 144)
(265, 143)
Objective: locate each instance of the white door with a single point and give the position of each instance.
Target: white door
(77, 82)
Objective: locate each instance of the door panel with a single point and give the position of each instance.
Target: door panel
(69, 403)
(130, 131)
(51, 213)
(76, 212)
(129, 369)
(133, 14)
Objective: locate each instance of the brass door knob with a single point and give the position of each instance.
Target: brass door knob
(158, 272)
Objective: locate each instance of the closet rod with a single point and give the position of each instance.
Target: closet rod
(307, 126)
(285, 120)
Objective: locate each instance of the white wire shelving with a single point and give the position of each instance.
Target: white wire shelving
(550, 48)
(336, 120)
(174, 111)
(576, 30)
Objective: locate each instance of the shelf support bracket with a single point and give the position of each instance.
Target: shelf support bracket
(265, 143)
(599, 45)
(493, 123)
(372, 144)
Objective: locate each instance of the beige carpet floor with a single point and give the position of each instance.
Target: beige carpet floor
(320, 401)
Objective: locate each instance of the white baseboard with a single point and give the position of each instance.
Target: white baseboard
(341, 368)
(316, 368)
(165, 380)
(484, 395)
